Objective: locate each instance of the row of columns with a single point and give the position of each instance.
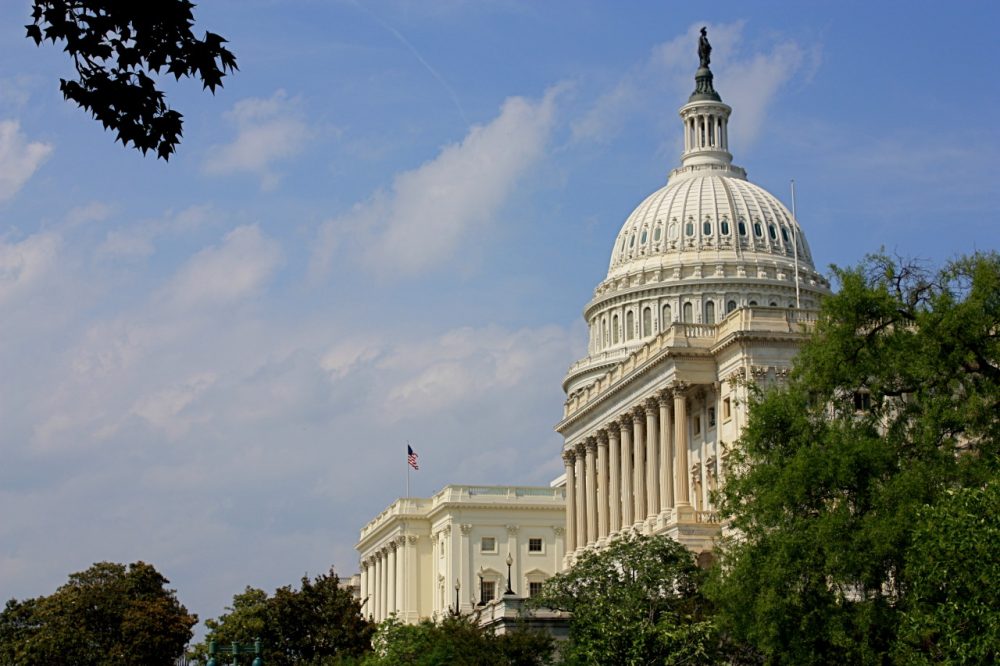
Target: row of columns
(706, 131)
(382, 580)
(629, 471)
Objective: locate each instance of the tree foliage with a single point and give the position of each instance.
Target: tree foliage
(115, 45)
(636, 601)
(319, 623)
(456, 642)
(951, 612)
(108, 615)
(892, 406)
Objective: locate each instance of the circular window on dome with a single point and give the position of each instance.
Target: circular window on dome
(772, 232)
(642, 239)
(672, 230)
(742, 227)
(724, 227)
(758, 230)
(706, 228)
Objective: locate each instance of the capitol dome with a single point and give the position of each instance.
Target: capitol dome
(706, 244)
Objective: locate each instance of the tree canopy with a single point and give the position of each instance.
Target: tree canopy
(456, 641)
(108, 615)
(315, 624)
(890, 413)
(636, 601)
(115, 45)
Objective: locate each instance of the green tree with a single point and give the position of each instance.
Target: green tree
(456, 642)
(951, 612)
(108, 615)
(636, 601)
(115, 45)
(319, 623)
(892, 405)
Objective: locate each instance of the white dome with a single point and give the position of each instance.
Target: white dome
(701, 218)
(706, 244)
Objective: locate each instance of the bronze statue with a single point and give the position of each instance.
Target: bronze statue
(704, 48)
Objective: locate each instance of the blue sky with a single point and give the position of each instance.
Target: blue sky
(384, 228)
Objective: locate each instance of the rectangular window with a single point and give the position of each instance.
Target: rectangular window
(727, 408)
(488, 545)
(489, 591)
(711, 417)
(534, 545)
(697, 425)
(534, 588)
(862, 401)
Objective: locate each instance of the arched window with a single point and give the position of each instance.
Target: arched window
(730, 306)
(724, 227)
(672, 230)
(631, 241)
(772, 232)
(773, 304)
(784, 235)
(614, 330)
(647, 322)
(742, 227)
(629, 325)
(665, 319)
(604, 326)
(706, 228)
(657, 233)
(688, 313)
(642, 239)
(752, 303)
(689, 229)
(758, 230)
(709, 312)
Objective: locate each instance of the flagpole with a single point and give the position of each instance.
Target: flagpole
(407, 469)
(795, 247)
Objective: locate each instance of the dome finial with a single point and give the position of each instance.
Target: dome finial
(703, 77)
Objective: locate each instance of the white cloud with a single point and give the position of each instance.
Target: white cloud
(422, 220)
(19, 158)
(24, 264)
(227, 273)
(137, 239)
(267, 131)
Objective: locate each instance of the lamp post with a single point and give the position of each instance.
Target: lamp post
(482, 597)
(458, 586)
(510, 561)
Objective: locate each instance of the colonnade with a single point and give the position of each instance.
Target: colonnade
(382, 579)
(631, 471)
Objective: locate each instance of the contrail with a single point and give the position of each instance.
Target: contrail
(402, 40)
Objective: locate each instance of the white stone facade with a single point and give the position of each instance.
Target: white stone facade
(416, 550)
(710, 282)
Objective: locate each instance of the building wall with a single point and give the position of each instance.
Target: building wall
(413, 553)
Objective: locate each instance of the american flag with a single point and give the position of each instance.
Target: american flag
(411, 457)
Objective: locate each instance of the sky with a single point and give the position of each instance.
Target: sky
(384, 229)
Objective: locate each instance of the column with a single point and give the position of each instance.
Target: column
(390, 596)
(591, 483)
(681, 495)
(366, 608)
(614, 478)
(639, 466)
(652, 458)
(626, 432)
(666, 454)
(384, 601)
(602, 486)
(378, 587)
(569, 460)
(581, 499)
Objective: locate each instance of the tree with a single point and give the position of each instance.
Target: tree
(892, 405)
(107, 615)
(317, 624)
(951, 612)
(456, 642)
(636, 601)
(115, 45)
